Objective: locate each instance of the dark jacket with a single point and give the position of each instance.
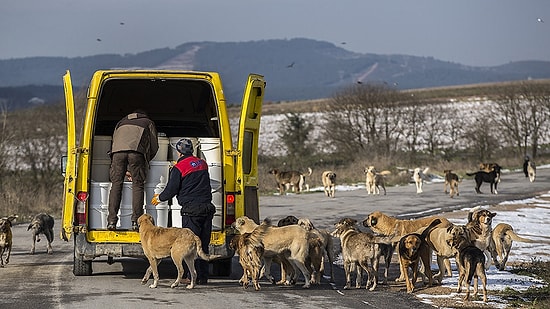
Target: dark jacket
(136, 132)
(190, 182)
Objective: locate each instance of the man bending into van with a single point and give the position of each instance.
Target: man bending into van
(135, 143)
(190, 182)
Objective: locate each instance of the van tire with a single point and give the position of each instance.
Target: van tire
(81, 267)
(222, 267)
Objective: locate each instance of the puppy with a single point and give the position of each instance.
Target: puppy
(374, 180)
(492, 177)
(418, 176)
(6, 238)
(358, 248)
(181, 244)
(42, 224)
(470, 261)
(291, 240)
(503, 236)
(327, 244)
(329, 183)
(294, 179)
(250, 250)
(452, 181)
(412, 249)
(385, 225)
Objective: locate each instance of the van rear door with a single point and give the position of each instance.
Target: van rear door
(247, 202)
(70, 170)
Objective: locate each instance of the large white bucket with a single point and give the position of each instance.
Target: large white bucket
(211, 151)
(125, 211)
(159, 214)
(101, 147)
(162, 153)
(100, 170)
(158, 169)
(98, 207)
(175, 211)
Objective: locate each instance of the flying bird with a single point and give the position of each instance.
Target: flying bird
(290, 65)
(540, 20)
(122, 24)
(98, 39)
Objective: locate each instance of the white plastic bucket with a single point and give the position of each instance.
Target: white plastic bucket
(125, 211)
(100, 170)
(175, 210)
(211, 149)
(158, 169)
(159, 214)
(97, 216)
(101, 147)
(99, 193)
(162, 153)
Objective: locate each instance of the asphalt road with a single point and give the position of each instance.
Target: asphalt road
(46, 281)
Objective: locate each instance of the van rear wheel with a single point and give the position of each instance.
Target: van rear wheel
(81, 267)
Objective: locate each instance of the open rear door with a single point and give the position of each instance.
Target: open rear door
(70, 170)
(247, 145)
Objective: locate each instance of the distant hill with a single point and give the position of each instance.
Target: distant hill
(295, 69)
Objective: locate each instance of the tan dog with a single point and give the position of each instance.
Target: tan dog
(329, 183)
(385, 225)
(480, 229)
(327, 243)
(375, 180)
(503, 236)
(358, 248)
(293, 179)
(412, 249)
(418, 176)
(250, 250)
(452, 181)
(437, 239)
(470, 261)
(291, 240)
(181, 244)
(6, 238)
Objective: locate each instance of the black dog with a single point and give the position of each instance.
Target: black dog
(42, 224)
(492, 177)
(288, 220)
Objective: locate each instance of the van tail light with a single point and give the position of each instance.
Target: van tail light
(230, 209)
(80, 213)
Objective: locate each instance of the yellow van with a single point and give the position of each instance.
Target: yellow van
(182, 104)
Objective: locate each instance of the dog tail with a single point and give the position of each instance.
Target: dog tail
(430, 227)
(202, 254)
(471, 174)
(516, 237)
(310, 171)
(385, 172)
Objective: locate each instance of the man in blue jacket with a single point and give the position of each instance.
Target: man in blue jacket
(190, 182)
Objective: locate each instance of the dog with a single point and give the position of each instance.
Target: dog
(492, 177)
(503, 236)
(470, 261)
(412, 249)
(451, 181)
(293, 179)
(250, 250)
(529, 169)
(385, 225)
(375, 180)
(358, 248)
(480, 229)
(42, 224)
(329, 183)
(418, 176)
(327, 243)
(438, 240)
(288, 220)
(181, 244)
(6, 238)
(291, 240)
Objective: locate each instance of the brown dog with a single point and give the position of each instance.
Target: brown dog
(42, 224)
(6, 238)
(385, 225)
(360, 251)
(503, 236)
(452, 181)
(375, 180)
(329, 183)
(291, 240)
(470, 261)
(294, 179)
(480, 230)
(250, 250)
(327, 244)
(181, 244)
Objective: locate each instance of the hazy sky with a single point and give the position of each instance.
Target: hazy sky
(471, 32)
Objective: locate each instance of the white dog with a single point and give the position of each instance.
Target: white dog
(418, 177)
